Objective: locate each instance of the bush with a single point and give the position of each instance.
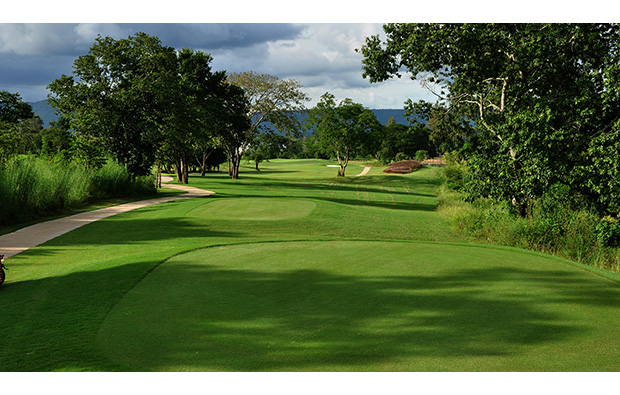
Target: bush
(421, 155)
(401, 156)
(559, 225)
(608, 232)
(455, 171)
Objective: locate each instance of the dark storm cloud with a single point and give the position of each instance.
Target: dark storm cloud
(33, 70)
(321, 57)
(33, 55)
(214, 36)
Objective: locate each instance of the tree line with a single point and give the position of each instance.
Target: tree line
(146, 104)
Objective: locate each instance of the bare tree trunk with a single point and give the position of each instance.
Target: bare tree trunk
(185, 171)
(158, 181)
(203, 168)
(343, 162)
(178, 168)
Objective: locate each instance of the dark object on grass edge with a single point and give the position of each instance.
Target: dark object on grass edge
(2, 268)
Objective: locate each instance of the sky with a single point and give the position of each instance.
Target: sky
(321, 56)
(311, 42)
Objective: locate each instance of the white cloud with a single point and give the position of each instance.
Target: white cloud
(320, 56)
(87, 32)
(323, 59)
(35, 39)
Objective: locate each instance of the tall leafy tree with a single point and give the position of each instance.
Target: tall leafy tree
(271, 100)
(57, 138)
(13, 109)
(189, 126)
(447, 131)
(232, 125)
(538, 95)
(342, 128)
(120, 93)
(15, 114)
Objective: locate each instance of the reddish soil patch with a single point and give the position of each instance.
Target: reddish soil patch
(403, 167)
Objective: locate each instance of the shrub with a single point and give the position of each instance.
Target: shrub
(455, 171)
(608, 232)
(421, 155)
(559, 225)
(401, 156)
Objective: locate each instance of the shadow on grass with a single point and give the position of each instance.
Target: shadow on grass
(409, 206)
(377, 185)
(116, 230)
(210, 318)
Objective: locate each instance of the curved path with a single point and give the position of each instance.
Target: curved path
(31, 236)
(364, 172)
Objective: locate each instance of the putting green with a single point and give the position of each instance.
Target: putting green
(254, 209)
(365, 306)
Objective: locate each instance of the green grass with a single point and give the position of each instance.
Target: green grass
(31, 188)
(341, 306)
(314, 272)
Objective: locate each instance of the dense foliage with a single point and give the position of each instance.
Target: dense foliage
(544, 99)
(343, 129)
(19, 127)
(120, 94)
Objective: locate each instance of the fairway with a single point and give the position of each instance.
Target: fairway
(254, 209)
(370, 306)
(294, 269)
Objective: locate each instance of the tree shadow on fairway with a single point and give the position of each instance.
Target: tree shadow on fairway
(392, 205)
(205, 317)
(117, 230)
(379, 185)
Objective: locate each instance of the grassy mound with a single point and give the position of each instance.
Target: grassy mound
(372, 306)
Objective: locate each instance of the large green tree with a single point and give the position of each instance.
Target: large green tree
(538, 94)
(231, 123)
(343, 128)
(120, 93)
(271, 101)
(15, 115)
(190, 124)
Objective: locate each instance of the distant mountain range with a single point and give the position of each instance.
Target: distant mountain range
(46, 112)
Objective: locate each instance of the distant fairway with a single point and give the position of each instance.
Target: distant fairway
(254, 209)
(371, 306)
(294, 269)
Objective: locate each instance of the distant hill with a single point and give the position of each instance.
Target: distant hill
(383, 116)
(46, 112)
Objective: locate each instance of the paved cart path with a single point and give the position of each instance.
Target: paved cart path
(31, 236)
(364, 172)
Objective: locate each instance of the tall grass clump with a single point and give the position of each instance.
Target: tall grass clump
(31, 187)
(560, 225)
